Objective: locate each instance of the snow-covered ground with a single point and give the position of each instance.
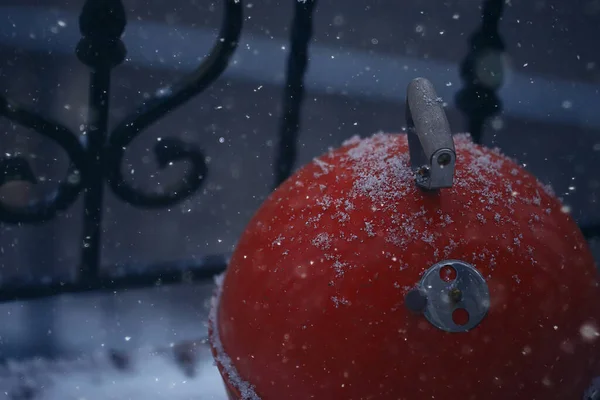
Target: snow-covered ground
(146, 344)
(143, 374)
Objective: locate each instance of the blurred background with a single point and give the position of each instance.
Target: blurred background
(362, 56)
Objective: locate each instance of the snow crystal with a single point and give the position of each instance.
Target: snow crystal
(339, 267)
(348, 206)
(369, 228)
(325, 168)
(480, 218)
(447, 220)
(353, 140)
(322, 241)
(341, 216)
(277, 241)
(427, 237)
(376, 166)
(313, 220)
(352, 237)
(549, 190)
(324, 202)
(340, 301)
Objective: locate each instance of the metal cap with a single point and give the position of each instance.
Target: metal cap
(452, 295)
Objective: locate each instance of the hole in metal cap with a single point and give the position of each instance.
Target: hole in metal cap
(460, 316)
(448, 273)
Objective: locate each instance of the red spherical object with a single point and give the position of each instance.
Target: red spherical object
(312, 305)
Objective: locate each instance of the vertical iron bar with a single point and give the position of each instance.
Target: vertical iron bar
(102, 22)
(475, 125)
(482, 71)
(302, 31)
(96, 131)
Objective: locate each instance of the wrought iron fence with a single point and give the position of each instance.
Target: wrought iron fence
(96, 157)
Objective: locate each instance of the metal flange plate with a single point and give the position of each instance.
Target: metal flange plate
(457, 296)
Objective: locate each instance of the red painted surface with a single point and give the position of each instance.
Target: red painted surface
(312, 303)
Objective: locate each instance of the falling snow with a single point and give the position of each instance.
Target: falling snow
(370, 207)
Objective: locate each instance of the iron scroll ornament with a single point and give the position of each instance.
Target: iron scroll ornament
(97, 156)
(171, 150)
(15, 167)
(482, 71)
(98, 159)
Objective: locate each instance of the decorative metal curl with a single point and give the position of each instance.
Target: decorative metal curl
(165, 100)
(16, 168)
(99, 156)
(482, 79)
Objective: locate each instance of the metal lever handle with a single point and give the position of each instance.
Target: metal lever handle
(430, 144)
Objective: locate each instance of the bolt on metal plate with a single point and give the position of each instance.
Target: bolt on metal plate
(464, 291)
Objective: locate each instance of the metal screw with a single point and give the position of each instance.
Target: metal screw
(455, 295)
